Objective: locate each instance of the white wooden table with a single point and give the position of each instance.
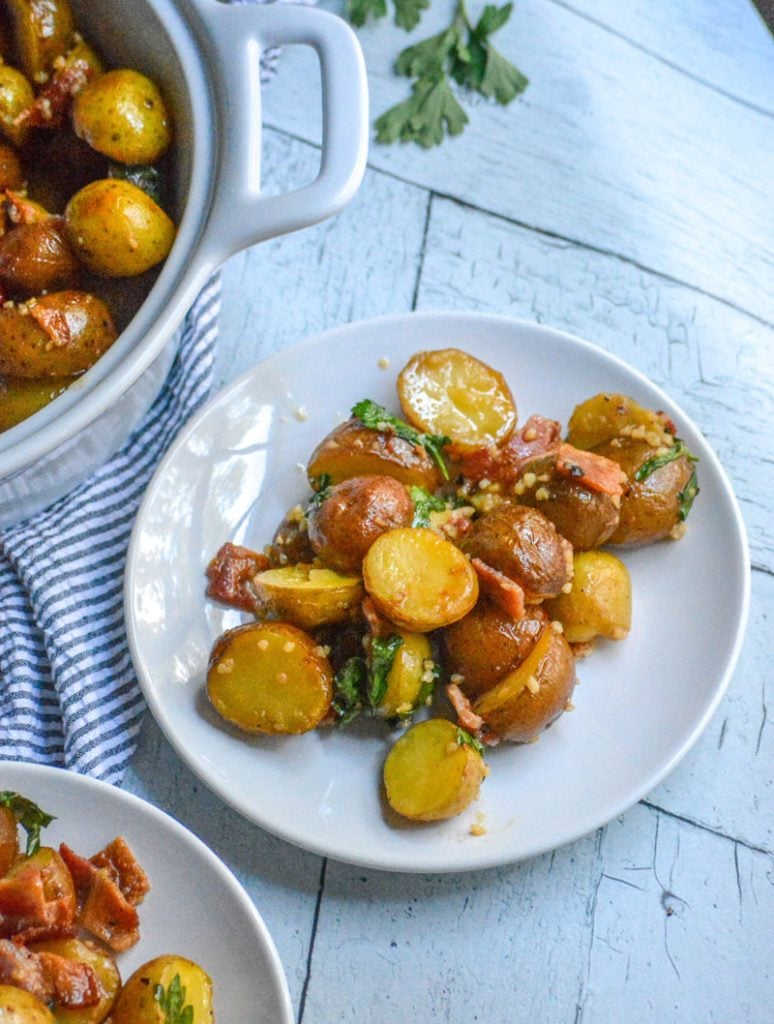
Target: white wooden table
(626, 198)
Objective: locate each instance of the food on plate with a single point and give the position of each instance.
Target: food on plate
(63, 920)
(453, 552)
(82, 167)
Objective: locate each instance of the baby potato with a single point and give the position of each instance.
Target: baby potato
(410, 678)
(21, 398)
(583, 517)
(290, 543)
(307, 595)
(36, 258)
(61, 334)
(20, 1007)
(488, 643)
(15, 96)
(57, 881)
(524, 545)
(269, 677)
(42, 32)
(608, 415)
(151, 993)
(352, 515)
(432, 773)
(354, 450)
(419, 580)
(651, 507)
(600, 602)
(122, 114)
(116, 229)
(104, 967)
(11, 174)
(533, 695)
(452, 393)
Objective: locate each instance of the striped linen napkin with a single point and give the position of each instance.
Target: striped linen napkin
(68, 693)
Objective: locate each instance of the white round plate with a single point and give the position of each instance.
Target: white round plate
(239, 466)
(195, 908)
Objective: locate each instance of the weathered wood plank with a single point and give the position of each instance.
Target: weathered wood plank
(726, 45)
(362, 263)
(608, 146)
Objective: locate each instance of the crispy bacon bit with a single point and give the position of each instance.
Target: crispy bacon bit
(505, 592)
(51, 106)
(29, 910)
(22, 969)
(594, 472)
(22, 210)
(122, 866)
(537, 439)
(102, 907)
(54, 323)
(377, 624)
(466, 716)
(74, 984)
(230, 574)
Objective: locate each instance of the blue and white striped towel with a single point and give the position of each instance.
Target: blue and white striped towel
(68, 693)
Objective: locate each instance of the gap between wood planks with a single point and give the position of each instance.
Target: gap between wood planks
(544, 232)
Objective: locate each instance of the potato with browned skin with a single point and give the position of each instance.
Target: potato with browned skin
(290, 544)
(42, 32)
(122, 114)
(584, 517)
(16, 95)
(21, 398)
(610, 414)
(600, 602)
(37, 258)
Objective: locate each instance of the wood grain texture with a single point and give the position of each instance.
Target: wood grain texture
(603, 148)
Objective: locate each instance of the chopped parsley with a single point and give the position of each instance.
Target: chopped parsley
(349, 688)
(687, 496)
(424, 504)
(672, 454)
(383, 651)
(172, 1002)
(321, 485)
(31, 818)
(376, 417)
(464, 739)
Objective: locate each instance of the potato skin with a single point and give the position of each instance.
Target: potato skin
(104, 967)
(307, 595)
(610, 414)
(524, 545)
(37, 257)
(354, 450)
(137, 1003)
(585, 518)
(600, 602)
(488, 643)
(64, 334)
(355, 512)
(42, 32)
(116, 229)
(122, 114)
(649, 508)
(15, 96)
(290, 543)
(19, 1007)
(21, 398)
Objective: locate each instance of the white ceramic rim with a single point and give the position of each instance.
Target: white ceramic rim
(345, 335)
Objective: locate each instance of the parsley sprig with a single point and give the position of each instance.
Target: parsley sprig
(349, 688)
(172, 1002)
(464, 739)
(31, 817)
(376, 417)
(383, 651)
(674, 452)
(462, 52)
(407, 12)
(424, 504)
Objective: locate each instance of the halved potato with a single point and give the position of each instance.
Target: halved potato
(270, 677)
(307, 595)
(608, 415)
(600, 602)
(19, 1007)
(452, 393)
(418, 580)
(410, 676)
(58, 883)
(155, 989)
(104, 967)
(432, 773)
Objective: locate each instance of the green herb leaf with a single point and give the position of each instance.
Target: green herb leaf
(427, 117)
(424, 504)
(376, 417)
(383, 651)
(465, 739)
(359, 11)
(429, 55)
(321, 486)
(408, 12)
(350, 686)
(427, 689)
(676, 451)
(501, 79)
(143, 176)
(687, 496)
(31, 818)
(172, 1002)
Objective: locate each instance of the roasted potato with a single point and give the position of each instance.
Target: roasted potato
(600, 602)
(269, 677)
(418, 580)
(290, 544)
(122, 114)
(11, 174)
(433, 772)
(37, 258)
(116, 229)
(21, 398)
(61, 334)
(411, 677)
(608, 415)
(19, 1007)
(43, 30)
(487, 644)
(57, 880)
(15, 96)
(451, 393)
(354, 450)
(657, 500)
(528, 699)
(524, 545)
(353, 513)
(307, 595)
(583, 517)
(104, 967)
(151, 993)
(9, 834)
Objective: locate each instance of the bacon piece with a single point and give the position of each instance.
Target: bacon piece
(377, 624)
(73, 983)
(230, 573)
(102, 907)
(594, 472)
(51, 107)
(122, 866)
(505, 592)
(22, 969)
(54, 323)
(28, 911)
(466, 716)
(538, 439)
(22, 210)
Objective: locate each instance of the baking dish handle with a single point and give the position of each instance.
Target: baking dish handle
(239, 215)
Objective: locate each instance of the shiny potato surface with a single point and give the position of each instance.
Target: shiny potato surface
(354, 513)
(600, 602)
(308, 595)
(19, 1007)
(43, 30)
(407, 679)
(524, 545)
(21, 398)
(104, 967)
(122, 114)
(16, 95)
(145, 998)
(354, 450)
(585, 518)
(608, 415)
(269, 677)
(37, 258)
